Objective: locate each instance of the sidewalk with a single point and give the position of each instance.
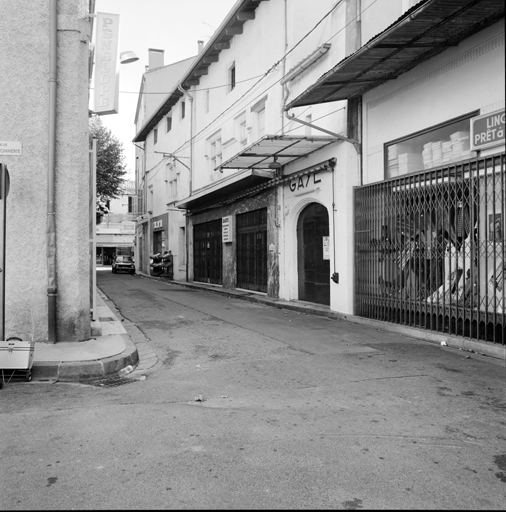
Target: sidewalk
(107, 352)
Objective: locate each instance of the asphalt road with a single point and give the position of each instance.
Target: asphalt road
(257, 407)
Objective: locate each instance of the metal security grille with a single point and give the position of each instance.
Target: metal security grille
(252, 250)
(430, 250)
(207, 253)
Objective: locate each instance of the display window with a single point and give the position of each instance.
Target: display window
(434, 147)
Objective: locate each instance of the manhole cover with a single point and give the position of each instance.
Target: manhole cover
(105, 319)
(112, 382)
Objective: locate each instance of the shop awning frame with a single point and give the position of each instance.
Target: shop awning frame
(286, 149)
(221, 190)
(428, 28)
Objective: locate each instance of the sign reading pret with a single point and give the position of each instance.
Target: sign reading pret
(487, 130)
(10, 148)
(226, 229)
(107, 64)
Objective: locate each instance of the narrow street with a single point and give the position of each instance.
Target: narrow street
(255, 407)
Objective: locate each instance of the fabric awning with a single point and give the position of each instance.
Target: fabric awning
(286, 149)
(223, 189)
(427, 29)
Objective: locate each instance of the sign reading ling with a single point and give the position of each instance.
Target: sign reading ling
(107, 64)
(487, 130)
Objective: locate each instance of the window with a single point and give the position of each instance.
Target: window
(438, 145)
(258, 118)
(241, 131)
(231, 73)
(168, 124)
(183, 109)
(207, 101)
(131, 204)
(155, 135)
(214, 148)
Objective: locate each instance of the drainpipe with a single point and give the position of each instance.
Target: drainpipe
(190, 99)
(51, 213)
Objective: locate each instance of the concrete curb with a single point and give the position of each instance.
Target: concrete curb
(449, 340)
(72, 371)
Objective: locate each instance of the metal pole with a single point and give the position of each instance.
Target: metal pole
(93, 230)
(3, 211)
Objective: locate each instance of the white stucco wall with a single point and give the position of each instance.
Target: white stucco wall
(460, 80)
(24, 108)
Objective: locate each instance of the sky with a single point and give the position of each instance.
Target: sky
(174, 26)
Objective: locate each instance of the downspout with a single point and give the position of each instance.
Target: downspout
(190, 99)
(51, 213)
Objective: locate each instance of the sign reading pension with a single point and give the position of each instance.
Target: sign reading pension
(487, 130)
(107, 64)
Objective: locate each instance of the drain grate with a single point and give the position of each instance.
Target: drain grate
(112, 382)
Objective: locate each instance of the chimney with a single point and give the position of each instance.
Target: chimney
(201, 47)
(155, 58)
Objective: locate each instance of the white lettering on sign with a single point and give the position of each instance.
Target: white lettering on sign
(106, 69)
(227, 233)
(11, 148)
(304, 181)
(487, 130)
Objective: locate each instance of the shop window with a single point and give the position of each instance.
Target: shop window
(434, 147)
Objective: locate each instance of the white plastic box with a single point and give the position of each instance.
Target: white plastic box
(16, 354)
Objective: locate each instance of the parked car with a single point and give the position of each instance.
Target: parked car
(123, 264)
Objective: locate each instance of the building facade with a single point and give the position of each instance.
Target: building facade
(115, 234)
(332, 159)
(44, 110)
(429, 210)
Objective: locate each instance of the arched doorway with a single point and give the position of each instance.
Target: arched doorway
(313, 270)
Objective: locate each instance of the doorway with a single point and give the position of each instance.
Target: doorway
(207, 252)
(252, 250)
(313, 269)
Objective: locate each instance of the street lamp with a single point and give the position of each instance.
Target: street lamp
(128, 57)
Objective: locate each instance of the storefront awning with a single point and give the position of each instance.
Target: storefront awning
(286, 148)
(427, 29)
(223, 189)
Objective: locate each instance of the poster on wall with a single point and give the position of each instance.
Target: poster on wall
(326, 247)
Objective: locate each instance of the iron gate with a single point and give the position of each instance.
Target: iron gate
(430, 250)
(207, 253)
(252, 250)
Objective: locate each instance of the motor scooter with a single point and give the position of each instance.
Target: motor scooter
(155, 264)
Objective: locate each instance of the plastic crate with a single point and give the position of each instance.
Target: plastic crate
(16, 354)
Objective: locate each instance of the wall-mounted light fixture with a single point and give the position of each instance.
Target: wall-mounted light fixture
(127, 57)
(275, 164)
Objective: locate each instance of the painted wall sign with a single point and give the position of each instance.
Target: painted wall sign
(10, 148)
(326, 247)
(107, 64)
(157, 225)
(487, 130)
(227, 232)
(304, 181)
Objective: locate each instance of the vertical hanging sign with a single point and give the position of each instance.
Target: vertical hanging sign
(107, 64)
